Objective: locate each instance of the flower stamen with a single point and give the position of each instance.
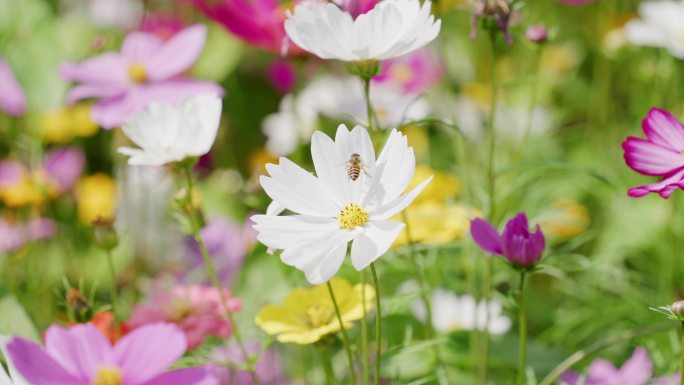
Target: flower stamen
(108, 376)
(352, 216)
(137, 73)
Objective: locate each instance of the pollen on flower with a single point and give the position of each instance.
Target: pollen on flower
(137, 73)
(108, 376)
(318, 316)
(352, 216)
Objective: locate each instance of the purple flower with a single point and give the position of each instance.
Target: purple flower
(638, 370)
(415, 72)
(82, 355)
(500, 11)
(227, 244)
(12, 98)
(537, 34)
(357, 7)
(147, 69)
(63, 167)
(517, 244)
(268, 369)
(660, 154)
(282, 76)
(14, 235)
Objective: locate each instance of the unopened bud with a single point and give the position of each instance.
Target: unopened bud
(104, 233)
(678, 309)
(79, 306)
(537, 34)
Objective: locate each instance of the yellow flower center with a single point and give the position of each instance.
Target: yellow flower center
(108, 376)
(318, 316)
(352, 216)
(137, 73)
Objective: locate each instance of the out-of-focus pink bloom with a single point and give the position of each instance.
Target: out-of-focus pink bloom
(82, 355)
(268, 369)
(11, 237)
(415, 72)
(163, 25)
(227, 244)
(537, 34)
(148, 69)
(282, 76)
(357, 7)
(40, 228)
(576, 2)
(520, 247)
(638, 370)
(63, 167)
(195, 309)
(14, 235)
(660, 154)
(12, 97)
(256, 22)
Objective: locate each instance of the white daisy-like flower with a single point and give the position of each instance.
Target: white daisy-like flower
(451, 312)
(660, 25)
(333, 208)
(168, 133)
(393, 28)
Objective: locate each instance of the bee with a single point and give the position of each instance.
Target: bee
(355, 166)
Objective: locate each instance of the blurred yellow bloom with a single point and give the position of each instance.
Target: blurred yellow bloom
(559, 59)
(96, 198)
(307, 315)
(258, 160)
(61, 126)
(565, 219)
(30, 190)
(480, 93)
(418, 139)
(444, 186)
(433, 222)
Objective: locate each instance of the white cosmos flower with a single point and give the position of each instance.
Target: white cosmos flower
(169, 133)
(331, 209)
(661, 25)
(393, 28)
(451, 312)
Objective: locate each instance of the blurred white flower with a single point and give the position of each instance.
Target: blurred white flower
(332, 208)
(660, 26)
(337, 97)
(119, 14)
(393, 28)
(451, 312)
(169, 133)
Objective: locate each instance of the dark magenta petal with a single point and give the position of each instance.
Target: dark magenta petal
(485, 235)
(649, 158)
(664, 129)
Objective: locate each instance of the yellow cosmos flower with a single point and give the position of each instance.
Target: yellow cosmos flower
(61, 126)
(444, 186)
(96, 198)
(27, 191)
(565, 219)
(434, 222)
(307, 315)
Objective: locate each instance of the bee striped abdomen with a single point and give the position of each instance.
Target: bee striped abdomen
(354, 167)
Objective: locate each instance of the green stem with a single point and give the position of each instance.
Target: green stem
(369, 105)
(365, 367)
(378, 325)
(522, 325)
(599, 345)
(681, 373)
(211, 269)
(533, 100)
(112, 277)
(326, 361)
(345, 337)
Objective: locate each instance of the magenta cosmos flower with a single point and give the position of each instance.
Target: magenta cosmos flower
(82, 355)
(195, 309)
(660, 154)
(415, 73)
(520, 247)
(148, 69)
(12, 97)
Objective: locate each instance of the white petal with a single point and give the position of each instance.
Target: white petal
(330, 167)
(373, 242)
(329, 265)
(282, 232)
(395, 167)
(391, 209)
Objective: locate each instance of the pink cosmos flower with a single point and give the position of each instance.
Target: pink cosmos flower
(282, 76)
(520, 247)
(147, 69)
(195, 309)
(660, 154)
(14, 235)
(415, 72)
(12, 97)
(82, 355)
(268, 369)
(163, 25)
(638, 370)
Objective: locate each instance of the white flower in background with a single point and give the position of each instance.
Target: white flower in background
(451, 312)
(393, 28)
(13, 378)
(340, 98)
(661, 25)
(120, 14)
(333, 208)
(169, 133)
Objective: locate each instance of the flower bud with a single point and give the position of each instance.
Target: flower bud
(537, 34)
(104, 233)
(678, 309)
(78, 306)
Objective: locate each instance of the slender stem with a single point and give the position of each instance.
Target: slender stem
(211, 269)
(345, 337)
(533, 98)
(599, 345)
(369, 105)
(326, 361)
(365, 367)
(378, 325)
(522, 325)
(681, 373)
(112, 277)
